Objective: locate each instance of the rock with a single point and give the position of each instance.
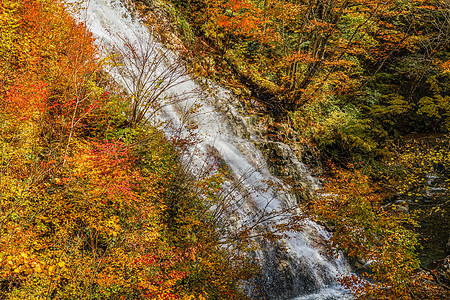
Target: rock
(447, 247)
(282, 276)
(283, 163)
(402, 206)
(444, 271)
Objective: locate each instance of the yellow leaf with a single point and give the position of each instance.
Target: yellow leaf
(38, 269)
(51, 270)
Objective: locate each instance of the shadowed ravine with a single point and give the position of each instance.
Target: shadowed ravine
(301, 271)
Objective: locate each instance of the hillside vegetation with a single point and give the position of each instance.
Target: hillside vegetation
(91, 205)
(94, 203)
(346, 76)
(360, 89)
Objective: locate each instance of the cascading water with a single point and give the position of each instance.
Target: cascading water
(297, 270)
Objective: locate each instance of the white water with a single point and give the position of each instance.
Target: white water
(111, 23)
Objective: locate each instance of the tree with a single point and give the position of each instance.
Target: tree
(352, 206)
(149, 74)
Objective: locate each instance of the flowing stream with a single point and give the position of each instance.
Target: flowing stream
(197, 107)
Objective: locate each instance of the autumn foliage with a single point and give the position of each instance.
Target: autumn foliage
(93, 208)
(346, 81)
(84, 199)
(380, 237)
(342, 76)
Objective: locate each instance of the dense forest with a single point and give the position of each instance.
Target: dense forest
(361, 90)
(96, 204)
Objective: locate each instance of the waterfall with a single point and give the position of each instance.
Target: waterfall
(297, 271)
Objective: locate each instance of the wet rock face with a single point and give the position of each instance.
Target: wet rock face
(283, 163)
(282, 277)
(448, 246)
(286, 276)
(278, 159)
(444, 271)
